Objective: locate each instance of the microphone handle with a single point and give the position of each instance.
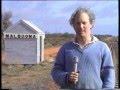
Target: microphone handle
(75, 67)
(75, 70)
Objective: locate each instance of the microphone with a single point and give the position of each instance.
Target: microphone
(75, 61)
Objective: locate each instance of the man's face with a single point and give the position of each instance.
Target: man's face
(82, 25)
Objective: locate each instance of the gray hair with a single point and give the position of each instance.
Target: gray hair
(81, 10)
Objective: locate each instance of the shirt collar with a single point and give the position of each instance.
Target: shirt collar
(94, 39)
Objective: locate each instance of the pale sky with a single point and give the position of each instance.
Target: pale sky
(53, 16)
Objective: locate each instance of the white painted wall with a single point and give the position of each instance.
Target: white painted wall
(21, 51)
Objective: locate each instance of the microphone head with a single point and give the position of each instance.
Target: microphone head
(75, 59)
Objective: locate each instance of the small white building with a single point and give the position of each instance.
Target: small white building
(24, 43)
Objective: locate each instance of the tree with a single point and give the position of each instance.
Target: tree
(6, 23)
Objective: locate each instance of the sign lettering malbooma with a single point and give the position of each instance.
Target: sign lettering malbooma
(20, 36)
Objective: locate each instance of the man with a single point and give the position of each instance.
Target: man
(95, 65)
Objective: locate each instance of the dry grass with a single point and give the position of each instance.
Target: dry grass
(30, 77)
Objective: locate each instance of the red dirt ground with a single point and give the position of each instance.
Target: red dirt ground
(51, 52)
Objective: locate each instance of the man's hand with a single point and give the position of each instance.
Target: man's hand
(73, 77)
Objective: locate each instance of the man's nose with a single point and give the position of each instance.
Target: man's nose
(81, 26)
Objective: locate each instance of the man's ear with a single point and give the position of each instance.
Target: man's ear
(91, 26)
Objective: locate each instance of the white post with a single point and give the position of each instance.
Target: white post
(38, 49)
(42, 47)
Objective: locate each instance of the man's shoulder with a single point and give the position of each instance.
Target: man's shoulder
(67, 43)
(102, 44)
